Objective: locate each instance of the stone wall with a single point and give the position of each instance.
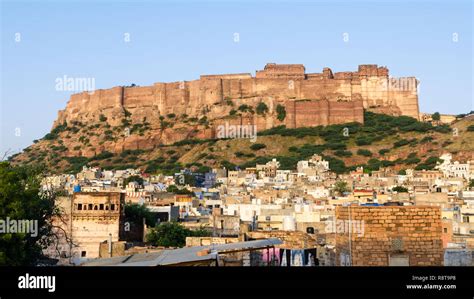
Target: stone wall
(310, 99)
(273, 70)
(371, 84)
(322, 112)
(414, 232)
(206, 241)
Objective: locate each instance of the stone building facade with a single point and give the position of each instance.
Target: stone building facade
(389, 235)
(95, 217)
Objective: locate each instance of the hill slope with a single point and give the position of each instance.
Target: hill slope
(399, 142)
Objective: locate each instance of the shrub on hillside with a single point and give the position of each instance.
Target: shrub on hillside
(257, 146)
(262, 108)
(364, 152)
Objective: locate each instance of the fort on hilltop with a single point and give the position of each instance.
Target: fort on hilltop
(309, 99)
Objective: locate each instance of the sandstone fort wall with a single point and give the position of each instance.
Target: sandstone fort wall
(279, 83)
(309, 99)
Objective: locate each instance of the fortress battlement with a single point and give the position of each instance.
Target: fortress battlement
(329, 97)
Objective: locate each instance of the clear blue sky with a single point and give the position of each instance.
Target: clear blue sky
(173, 41)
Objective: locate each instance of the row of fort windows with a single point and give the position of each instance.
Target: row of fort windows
(94, 207)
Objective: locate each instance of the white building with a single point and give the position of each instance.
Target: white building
(455, 169)
(314, 169)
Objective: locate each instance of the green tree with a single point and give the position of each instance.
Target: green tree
(340, 187)
(436, 116)
(21, 199)
(281, 112)
(363, 140)
(176, 190)
(343, 153)
(229, 101)
(401, 142)
(169, 234)
(374, 164)
(336, 165)
(136, 213)
(133, 178)
(245, 108)
(203, 120)
(172, 234)
(262, 108)
(364, 152)
(257, 146)
(172, 189)
(228, 165)
(190, 180)
(203, 169)
(430, 163)
(400, 189)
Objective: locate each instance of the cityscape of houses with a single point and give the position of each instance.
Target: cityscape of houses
(265, 215)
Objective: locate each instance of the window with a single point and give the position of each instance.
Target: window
(465, 219)
(90, 207)
(79, 206)
(445, 230)
(112, 207)
(95, 207)
(101, 206)
(397, 244)
(83, 254)
(106, 207)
